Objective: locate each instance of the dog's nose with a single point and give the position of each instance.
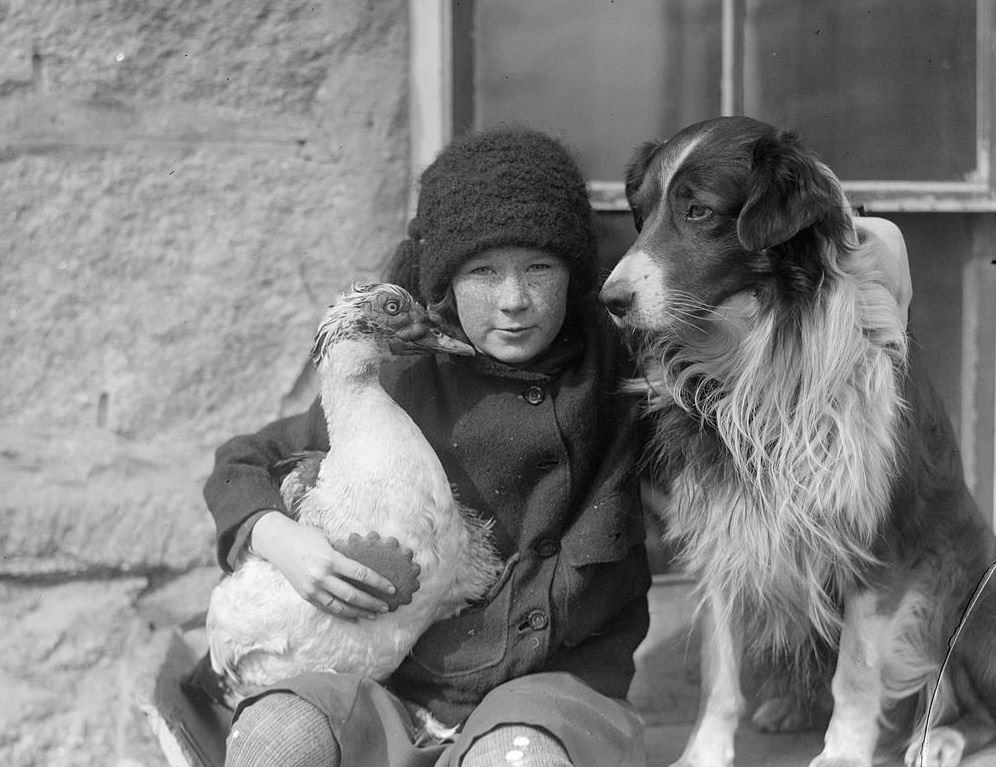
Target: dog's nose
(618, 302)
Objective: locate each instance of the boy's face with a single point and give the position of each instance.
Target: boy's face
(511, 301)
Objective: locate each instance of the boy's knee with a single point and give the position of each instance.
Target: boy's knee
(281, 728)
(515, 744)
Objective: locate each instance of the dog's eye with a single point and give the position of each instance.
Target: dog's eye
(697, 212)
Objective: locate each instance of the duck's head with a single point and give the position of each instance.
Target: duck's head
(389, 319)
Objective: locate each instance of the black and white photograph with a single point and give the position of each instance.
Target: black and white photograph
(498, 383)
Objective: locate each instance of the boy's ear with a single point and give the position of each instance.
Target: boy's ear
(788, 190)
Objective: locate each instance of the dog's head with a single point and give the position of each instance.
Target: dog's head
(732, 215)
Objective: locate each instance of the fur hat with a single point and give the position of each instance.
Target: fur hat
(508, 187)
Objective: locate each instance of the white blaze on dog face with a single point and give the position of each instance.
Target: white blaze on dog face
(638, 271)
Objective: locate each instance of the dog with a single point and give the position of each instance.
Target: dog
(812, 480)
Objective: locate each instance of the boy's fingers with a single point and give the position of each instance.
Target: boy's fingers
(882, 240)
(330, 603)
(371, 579)
(354, 571)
(338, 608)
(342, 607)
(349, 596)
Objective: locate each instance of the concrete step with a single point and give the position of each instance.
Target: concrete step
(665, 691)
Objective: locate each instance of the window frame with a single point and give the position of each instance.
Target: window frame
(438, 36)
(438, 92)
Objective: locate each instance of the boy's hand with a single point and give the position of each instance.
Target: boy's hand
(387, 557)
(317, 571)
(880, 239)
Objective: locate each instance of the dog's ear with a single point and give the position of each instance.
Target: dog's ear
(636, 169)
(637, 166)
(788, 190)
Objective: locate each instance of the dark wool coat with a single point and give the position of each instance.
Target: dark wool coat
(551, 458)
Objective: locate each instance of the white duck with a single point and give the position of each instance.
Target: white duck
(380, 478)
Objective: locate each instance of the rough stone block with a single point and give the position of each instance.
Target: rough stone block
(183, 193)
(100, 504)
(184, 188)
(67, 678)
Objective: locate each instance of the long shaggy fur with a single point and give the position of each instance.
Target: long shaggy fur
(807, 464)
(797, 419)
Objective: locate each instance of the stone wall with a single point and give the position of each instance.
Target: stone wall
(184, 185)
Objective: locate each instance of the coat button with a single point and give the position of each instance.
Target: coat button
(534, 395)
(547, 547)
(538, 620)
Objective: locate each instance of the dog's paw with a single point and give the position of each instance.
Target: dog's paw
(945, 747)
(699, 755)
(824, 760)
(782, 714)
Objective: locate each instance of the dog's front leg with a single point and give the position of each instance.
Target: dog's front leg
(721, 703)
(853, 731)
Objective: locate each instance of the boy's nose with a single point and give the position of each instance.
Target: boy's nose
(513, 293)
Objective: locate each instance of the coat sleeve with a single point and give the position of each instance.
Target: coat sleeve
(241, 488)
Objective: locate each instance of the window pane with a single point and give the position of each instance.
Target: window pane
(883, 89)
(603, 76)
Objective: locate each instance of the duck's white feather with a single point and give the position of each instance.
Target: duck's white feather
(382, 475)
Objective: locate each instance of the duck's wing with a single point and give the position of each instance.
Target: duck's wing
(297, 474)
(481, 566)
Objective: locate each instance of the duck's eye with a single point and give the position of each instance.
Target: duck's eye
(697, 212)
(392, 306)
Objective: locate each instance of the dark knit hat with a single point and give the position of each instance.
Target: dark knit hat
(509, 187)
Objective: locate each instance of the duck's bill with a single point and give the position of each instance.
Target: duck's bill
(433, 342)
